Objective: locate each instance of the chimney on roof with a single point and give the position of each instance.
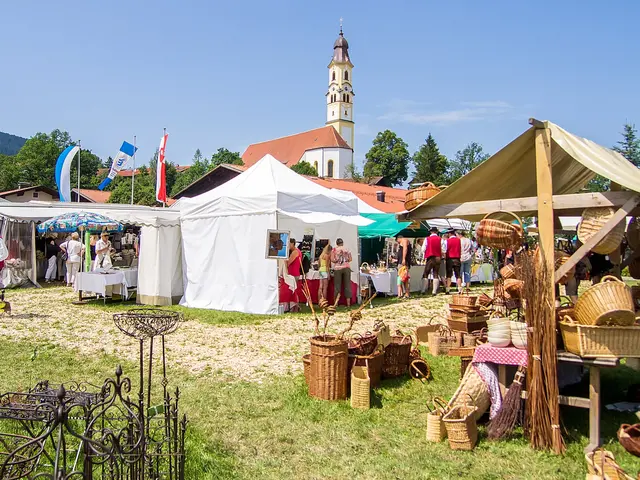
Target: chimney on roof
(380, 196)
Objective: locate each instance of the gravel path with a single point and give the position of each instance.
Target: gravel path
(248, 352)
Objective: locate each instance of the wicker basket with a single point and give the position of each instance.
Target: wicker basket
(607, 303)
(467, 324)
(360, 387)
(498, 233)
(421, 194)
(508, 271)
(363, 345)
(514, 287)
(593, 219)
(365, 268)
(566, 308)
(601, 465)
(374, 363)
(484, 300)
(629, 438)
(442, 341)
(306, 360)
(633, 233)
(560, 259)
(423, 331)
(436, 431)
(472, 386)
(464, 299)
(606, 341)
(329, 362)
(396, 356)
(462, 430)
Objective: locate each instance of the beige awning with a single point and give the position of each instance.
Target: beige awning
(511, 172)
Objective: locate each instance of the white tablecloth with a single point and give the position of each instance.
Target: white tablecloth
(130, 276)
(105, 284)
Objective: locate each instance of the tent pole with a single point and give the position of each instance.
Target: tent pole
(34, 262)
(545, 201)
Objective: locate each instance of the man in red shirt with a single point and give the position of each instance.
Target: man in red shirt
(454, 251)
(432, 255)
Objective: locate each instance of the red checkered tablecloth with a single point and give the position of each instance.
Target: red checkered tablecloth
(487, 353)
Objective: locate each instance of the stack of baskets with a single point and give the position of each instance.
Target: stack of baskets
(466, 314)
(421, 194)
(604, 322)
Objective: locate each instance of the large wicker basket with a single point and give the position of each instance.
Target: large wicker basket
(396, 356)
(472, 386)
(607, 303)
(306, 360)
(498, 233)
(467, 324)
(462, 430)
(421, 194)
(593, 219)
(360, 387)
(329, 362)
(606, 341)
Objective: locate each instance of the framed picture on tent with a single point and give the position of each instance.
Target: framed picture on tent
(277, 243)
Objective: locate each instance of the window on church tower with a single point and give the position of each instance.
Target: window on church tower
(347, 98)
(333, 77)
(330, 168)
(346, 74)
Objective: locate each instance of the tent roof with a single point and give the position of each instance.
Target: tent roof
(131, 214)
(269, 187)
(387, 225)
(511, 172)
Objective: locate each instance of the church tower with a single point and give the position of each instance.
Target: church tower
(340, 93)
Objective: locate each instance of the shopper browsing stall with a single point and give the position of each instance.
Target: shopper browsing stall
(103, 252)
(405, 256)
(341, 260)
(74, 250)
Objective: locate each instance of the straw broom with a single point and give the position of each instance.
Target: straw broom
(504, 422)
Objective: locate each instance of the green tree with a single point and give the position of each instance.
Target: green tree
(305, 168)
(199, 167)
(430, 164)
(466, 160)
(144, 186)
(629, 146)
(225, 156)
(388, 157)
(171, 172)
(352, 172)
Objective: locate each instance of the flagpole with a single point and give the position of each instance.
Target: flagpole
(133, 172)
(78, 191)
(164, 133)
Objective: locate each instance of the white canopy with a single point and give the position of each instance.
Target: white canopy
(225, 233)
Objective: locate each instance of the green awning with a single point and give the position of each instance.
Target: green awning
(387, 225)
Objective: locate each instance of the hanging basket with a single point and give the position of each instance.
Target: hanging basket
(560, 259)
(329, 362)
(498, 233)
(421, 194)
(360, 387)
(593, 219)
(606, 303)
(396, 356)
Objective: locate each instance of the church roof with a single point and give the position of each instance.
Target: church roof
(289, 150)
(341, 49)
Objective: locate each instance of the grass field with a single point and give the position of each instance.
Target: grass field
(250, 417)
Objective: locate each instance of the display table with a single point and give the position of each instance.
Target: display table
(313, 281)
(503, 357)
(106, 284)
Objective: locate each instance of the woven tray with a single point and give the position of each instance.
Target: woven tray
(606, 342)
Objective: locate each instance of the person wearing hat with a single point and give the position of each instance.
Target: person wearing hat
(103, 252)
(433, 257)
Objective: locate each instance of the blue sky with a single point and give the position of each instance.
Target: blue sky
(227, 74)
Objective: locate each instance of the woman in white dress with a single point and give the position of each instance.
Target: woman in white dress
(103, 252)
(74, 249)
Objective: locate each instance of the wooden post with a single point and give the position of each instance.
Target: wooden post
(615, 257)
(594, 408)
(545, 202)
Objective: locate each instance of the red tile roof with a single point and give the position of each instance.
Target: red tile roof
(394, 197)
(96, 196)
(289, 150)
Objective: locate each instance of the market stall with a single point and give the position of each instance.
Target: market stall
(228, 235)
(539, 174)
(155, 230)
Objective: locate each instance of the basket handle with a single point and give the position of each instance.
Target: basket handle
(427, 184)
(610, 278)
(508, 213)
(569, 320)
(495, 312)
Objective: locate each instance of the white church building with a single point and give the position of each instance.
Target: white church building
(330, 148)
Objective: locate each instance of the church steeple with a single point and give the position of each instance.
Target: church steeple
(340, 93)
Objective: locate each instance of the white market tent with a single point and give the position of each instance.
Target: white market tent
(160, 280)
(225, 232)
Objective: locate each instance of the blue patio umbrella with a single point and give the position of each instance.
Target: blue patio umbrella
(85, 222)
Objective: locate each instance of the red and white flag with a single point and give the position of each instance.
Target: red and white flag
(161, 172)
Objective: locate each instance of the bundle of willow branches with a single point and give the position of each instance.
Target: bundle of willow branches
(542, 410)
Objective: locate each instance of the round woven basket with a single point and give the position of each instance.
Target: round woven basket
(607, 303)
(633, 233)
(496, 233)
(329, 360)
(421, 194)
(593, 219)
